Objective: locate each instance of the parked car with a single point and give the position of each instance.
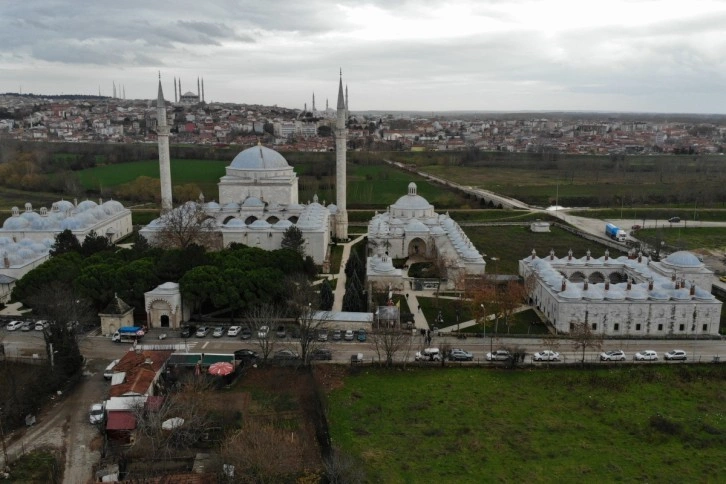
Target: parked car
(722, 278)
(614, 355)
(27, 326)
(428, 354)
(218, 332)
(457, 354)
(674, 220)
(499, 355)
(348, 335)
(281, 331)
(321, 354)
(234, 330)
(676, 355)
(546, 355)
(246, 355)
(286, 354)
(246, 333)
(41, 325)
(322, 335)
(356, 358)
(202, 331)
(263, 332)
(13, 325)
(636, 227)
(647, 355)
(362, 336)
(108, 372)
(96, 413)
(188, 330)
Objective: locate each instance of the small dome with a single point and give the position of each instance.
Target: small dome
(211, 206)
(15, 223)
(259, 225)
(333, 208)
(259, 158)
(231, 206)
(683, 258)
(86, 205)
(416, 226)
(64, 205)
(253, 202)
(235, 222)
(283, 224)
(112, 206)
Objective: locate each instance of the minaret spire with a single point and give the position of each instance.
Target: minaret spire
(341, 134)
(175, 101)
(162, 135)
(199, 91)
(202, 89)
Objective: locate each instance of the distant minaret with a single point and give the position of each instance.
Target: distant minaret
(326, 104)
(313, 102)
(124, 91)
(341, 218)
(162, 134)
(99, 90)
(202, 89)
(305, 108)
(175, 101)
(180, 91)
(114, 89)
(199, 92)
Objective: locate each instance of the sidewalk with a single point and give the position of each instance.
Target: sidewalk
(340, 286)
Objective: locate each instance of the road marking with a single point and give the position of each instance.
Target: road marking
(205, 345)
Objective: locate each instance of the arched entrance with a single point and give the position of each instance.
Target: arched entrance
(164, 321)
(417, 247)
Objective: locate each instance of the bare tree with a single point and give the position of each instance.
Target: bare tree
(303, 306)
(185, 225)
(510, 298)
(341, 468)
(264, 316)
(388, 341)
(584, 337)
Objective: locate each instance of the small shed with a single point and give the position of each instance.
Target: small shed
(116, 315)
(539, 226)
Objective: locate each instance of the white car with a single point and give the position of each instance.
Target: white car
(218, 332)
(647, 355)
(499, 355)
(13, 325)
(96, 413)
(676, 355)
(614, 355)
(234, 330)
(348, 335)
(546, 355)
(41, 325)
(263, 332)
(428, 354)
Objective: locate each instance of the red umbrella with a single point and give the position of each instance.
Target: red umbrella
(221, 368)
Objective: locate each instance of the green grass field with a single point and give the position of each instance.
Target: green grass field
(687, 238)
(648, 214)
(472, 425)
(509, 244)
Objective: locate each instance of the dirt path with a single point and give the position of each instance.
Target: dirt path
(64, 425)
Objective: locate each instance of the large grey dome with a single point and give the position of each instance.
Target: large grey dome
(683, 259)
(259, 158)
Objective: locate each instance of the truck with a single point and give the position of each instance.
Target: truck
(615, 232)
(128, 334)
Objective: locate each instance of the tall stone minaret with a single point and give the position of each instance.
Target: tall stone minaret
(162, 134)
(313, 102)
(202, 89)
(199, 92)
(341, 134)
(175, 99)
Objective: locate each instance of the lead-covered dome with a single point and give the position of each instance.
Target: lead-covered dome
(259, 158)
(412, 201)
(682, 258)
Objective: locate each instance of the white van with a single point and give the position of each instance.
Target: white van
(428, 354)
(108, 372)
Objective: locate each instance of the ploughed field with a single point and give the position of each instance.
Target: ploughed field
(631, 424)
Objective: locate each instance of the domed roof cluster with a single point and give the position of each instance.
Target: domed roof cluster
(655, 286)
(22, 252)
(62, 215)
(259, 158)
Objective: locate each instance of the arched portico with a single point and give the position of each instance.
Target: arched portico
(417, 247)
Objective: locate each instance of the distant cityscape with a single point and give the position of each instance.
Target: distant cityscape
(194, 121)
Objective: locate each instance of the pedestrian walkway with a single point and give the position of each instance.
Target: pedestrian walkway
(340, 286)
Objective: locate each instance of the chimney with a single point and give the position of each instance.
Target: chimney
(552, 254)
(650, 285)
(6, 260)
(693, 289)
(564, 283)
(607, 285)
(569, 255)
(673, 276)
(534, 254)
(630, 284)
(607, 254)
(683, 283)
(588, 254)
(584, 287)
(640, 257)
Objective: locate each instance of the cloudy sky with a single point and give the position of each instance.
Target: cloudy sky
(512, 55)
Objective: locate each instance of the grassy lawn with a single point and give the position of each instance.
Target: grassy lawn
(525, 322)
(648, 214)
(687, 238)
(628, 424)
(513, 243)
(336, 255)
(43, 465)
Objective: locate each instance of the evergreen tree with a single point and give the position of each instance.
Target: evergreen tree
(293, 239)
(94, 243)
(326, 296)
(65, 242)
